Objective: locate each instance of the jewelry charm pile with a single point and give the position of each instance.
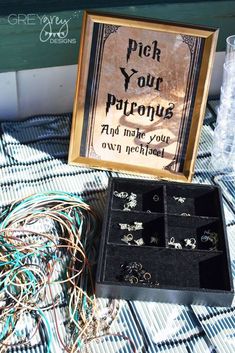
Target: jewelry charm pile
(129, 238)
(190, 243)
(134, 273)
(130, 200)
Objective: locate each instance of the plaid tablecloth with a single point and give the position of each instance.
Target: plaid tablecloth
(33, 158)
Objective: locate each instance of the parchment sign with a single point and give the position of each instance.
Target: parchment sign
(141, 95)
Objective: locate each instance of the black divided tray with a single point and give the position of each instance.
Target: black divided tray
(178, 250)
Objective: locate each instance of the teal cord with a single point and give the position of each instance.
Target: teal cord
(19, 277)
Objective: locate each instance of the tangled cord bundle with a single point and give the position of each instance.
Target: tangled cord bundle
(47, 247)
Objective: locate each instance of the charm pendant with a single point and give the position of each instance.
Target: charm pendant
(136, 226)
(174, 244)
(131, 202)
(154, 240)
(179, 199)
(121, 195)
(139, 241)
(211, 237)
(156, 198)
(191, 242)
(127, 238)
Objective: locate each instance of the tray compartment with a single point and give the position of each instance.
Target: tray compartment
(167, 267)
(180, 229)
(150, 228)
(198, 274)
(213, 274)
(193, 200)
(129, 196)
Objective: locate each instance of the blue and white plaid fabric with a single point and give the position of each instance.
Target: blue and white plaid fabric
(33, 158)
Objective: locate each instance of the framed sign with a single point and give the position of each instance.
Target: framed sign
(141, 95)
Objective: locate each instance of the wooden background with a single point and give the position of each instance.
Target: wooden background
(20, 47)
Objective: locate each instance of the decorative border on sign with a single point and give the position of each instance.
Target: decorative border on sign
(100, 34)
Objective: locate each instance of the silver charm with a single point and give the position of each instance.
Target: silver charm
(121, 195)
(153, 240)
(131, 202)
(212, 237)
(127, 238)
(191, 242)
(138, 226)
(139, 241)
(174, 244)
(123, 225)
(134, 227)
(179, 199)
(156, 198)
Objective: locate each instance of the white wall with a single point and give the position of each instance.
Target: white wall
(217, 74)
(51, 90)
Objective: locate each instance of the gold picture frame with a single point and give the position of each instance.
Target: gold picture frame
(141, 95)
